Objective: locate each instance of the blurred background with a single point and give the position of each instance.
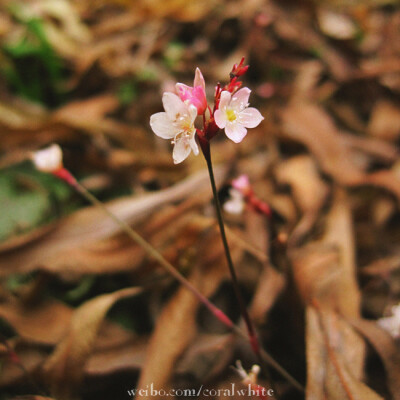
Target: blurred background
(317, 275)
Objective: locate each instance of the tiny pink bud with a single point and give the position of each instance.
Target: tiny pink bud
(241, 183)
(195, 95)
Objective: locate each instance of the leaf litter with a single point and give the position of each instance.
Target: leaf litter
(325, 267)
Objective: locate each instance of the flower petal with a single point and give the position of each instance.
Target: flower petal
(235, 205)
(182, 150)
(235, 131)
(220, 119)
(193, 145)
(250, 117)
(224, 100)
(192, 110)
(173, 106)
(184, 91)
(199, 79)
(162, 126)
(48, 159)
(241, 183)
(240, 99)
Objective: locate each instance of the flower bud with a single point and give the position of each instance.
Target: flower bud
(49, 159)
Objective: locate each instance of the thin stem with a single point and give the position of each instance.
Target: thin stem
(252, 335)
(250, 327)
(156, 255)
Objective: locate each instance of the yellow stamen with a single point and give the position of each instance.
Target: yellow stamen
(231, 115)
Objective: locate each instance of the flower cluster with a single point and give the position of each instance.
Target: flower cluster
(231, 112)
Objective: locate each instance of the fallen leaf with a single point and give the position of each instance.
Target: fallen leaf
(207, 357)
(175, 329)
(119, 357)
(329, 351)
(86, 232)
(176, 326)
(309, 191)
(340, 235)
(387, 349)
(310, 125)
(384, 121)
(30, 359)
(64, 369)
(43, 323)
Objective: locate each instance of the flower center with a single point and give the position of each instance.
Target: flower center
(231, 115)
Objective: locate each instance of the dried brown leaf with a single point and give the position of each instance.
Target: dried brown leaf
(175, 329)
(176, 326)
(85, 112)
(64, 369)
(44, 322)
(30, 357)
(310, 125)
(207, 357)
(376, 148)
(330, 359)
(85, 232)
(309, 191)
(387, 349)
(126, 355)
(384, 122)
(340, 235)
(270, 283)
(323, 269)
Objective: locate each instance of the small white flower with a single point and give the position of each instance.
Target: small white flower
(235, 116)
(48, 159)
(392, 324)
(176, 123)
(235, 204)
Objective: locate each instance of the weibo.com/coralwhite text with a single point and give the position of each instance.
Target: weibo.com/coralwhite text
(150, 391)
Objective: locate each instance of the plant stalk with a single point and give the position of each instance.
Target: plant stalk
(243, 310)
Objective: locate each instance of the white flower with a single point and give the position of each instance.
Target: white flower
(48, 159)
(235, 116)
(176, 123)
(392, 324)
(235, 203)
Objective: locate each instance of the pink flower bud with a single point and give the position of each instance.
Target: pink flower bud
(195, 95)
(242, 183)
